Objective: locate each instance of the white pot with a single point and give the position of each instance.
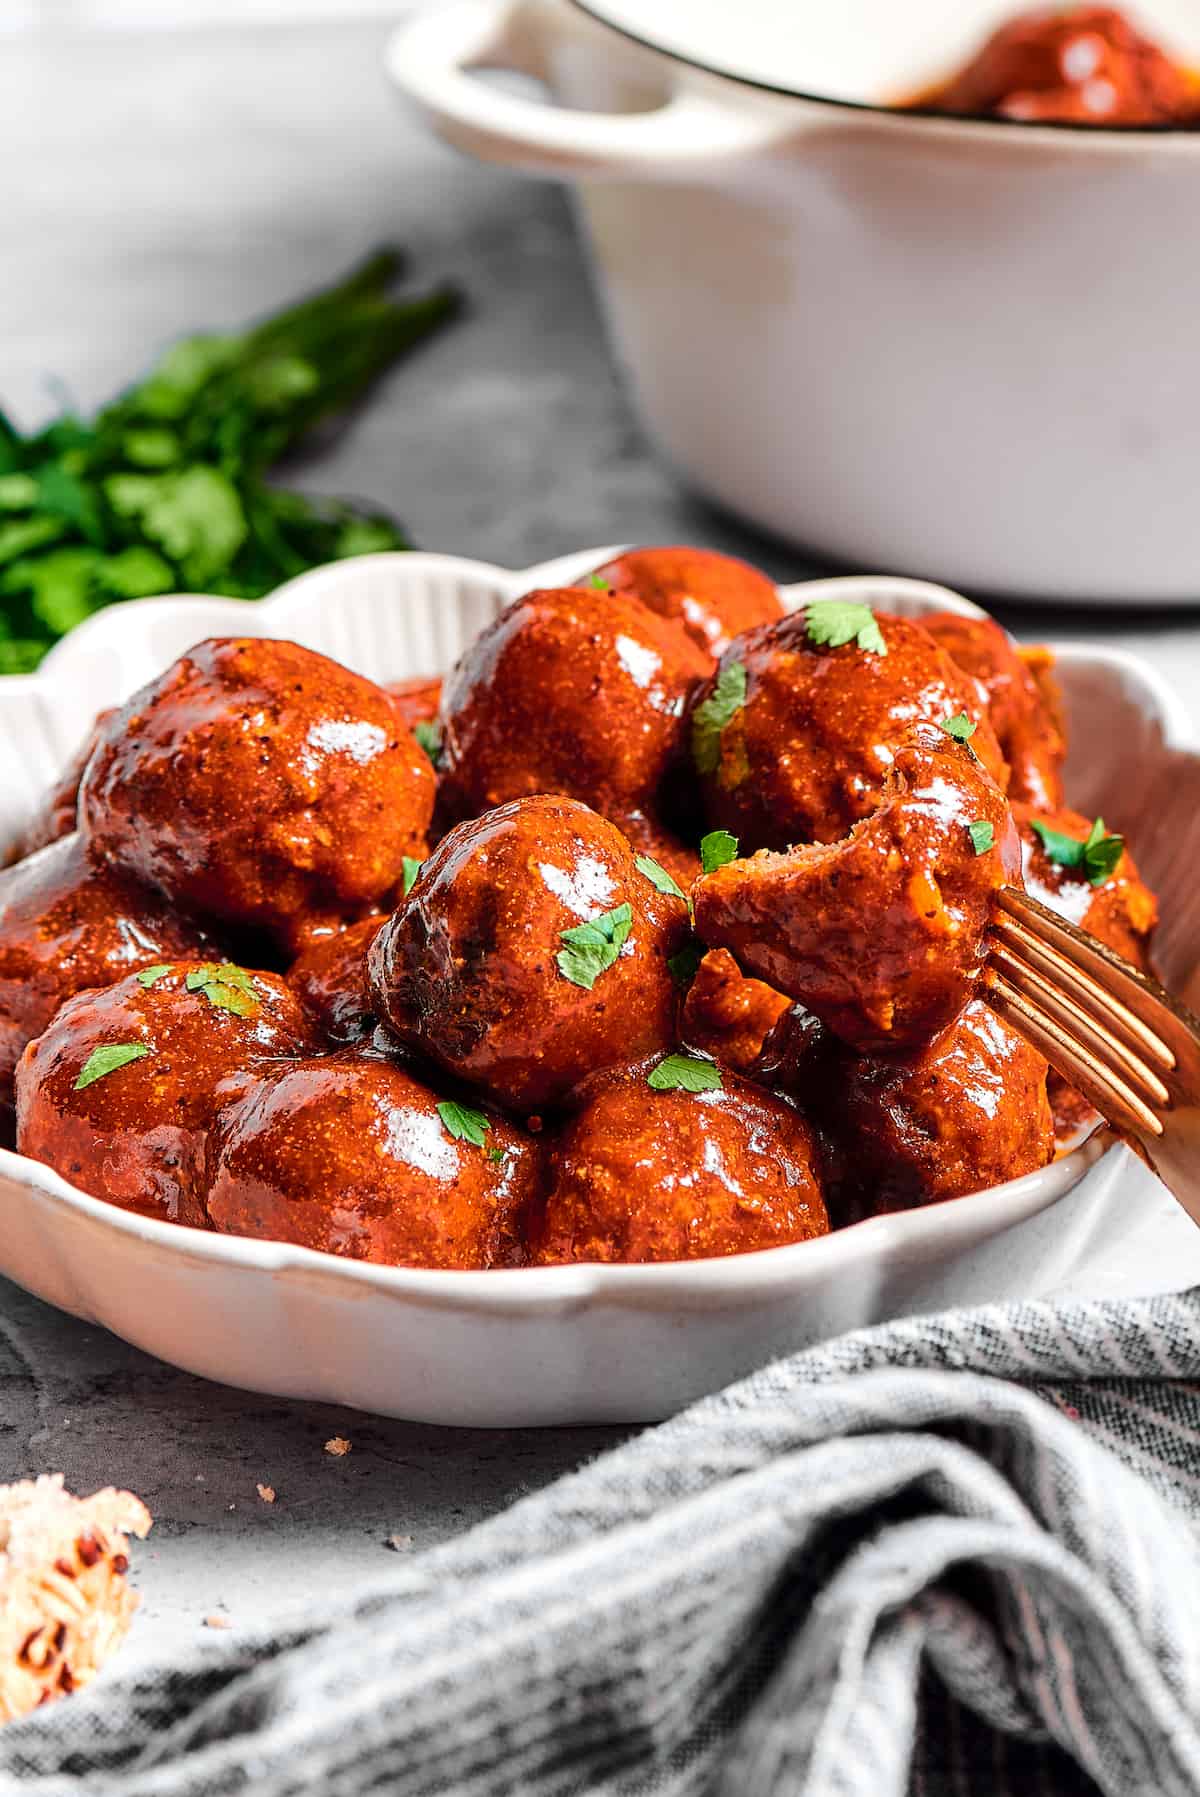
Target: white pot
(965, 349)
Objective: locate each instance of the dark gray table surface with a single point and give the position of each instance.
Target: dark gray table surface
(167, 181)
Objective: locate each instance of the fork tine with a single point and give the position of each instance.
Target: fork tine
(1101, 1087)
(1113, 991)
(1088, 1032)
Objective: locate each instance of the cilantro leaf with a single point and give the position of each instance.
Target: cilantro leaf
(714, 713)
(1097, 857)
(226, 987)
(682, 965)
(592, 947)
(718, 847)
(684, 1073)
(193, 514)
(150, 976)
(464, 1123)
(495, 1154)
(832, 622)
(429, 734)
(658, 876)
(412, 868)
(982, 834)
(959, 727)
(107, 1059)
(598, 580)
(1101, 853)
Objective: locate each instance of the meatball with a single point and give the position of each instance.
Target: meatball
(1120, 911)
(65, 925)
(118, 1093)
(881, 935)
(728, 1016)
(416, 700)
(571, 692)
(1028, 729)
(963, 1114)
(330, 980)
(1075, 64)
(353, 1156)
(714, 597)
(640, 1175)
(530, 952)
(58, 813)
(260, 783)
(793, 741)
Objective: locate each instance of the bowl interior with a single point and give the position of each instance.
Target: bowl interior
(868, 52)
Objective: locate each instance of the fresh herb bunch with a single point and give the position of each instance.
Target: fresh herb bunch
(166, 489)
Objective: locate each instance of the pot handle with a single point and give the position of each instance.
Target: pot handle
(430, 58)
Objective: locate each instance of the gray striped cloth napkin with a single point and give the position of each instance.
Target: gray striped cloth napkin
(958, 1554)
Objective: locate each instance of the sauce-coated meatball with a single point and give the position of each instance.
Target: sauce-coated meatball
(727, 1015)
(714, 597)
(1028, 729)
(882, 935)
(66, 925)
(131, 1126)
(330, 980)
(810, 732)
(575, 692)
(350, 1155)
(58, 813)
(1120, 911)
(261, 783)
(641, 1175)
(1074, 64)
(529, 953)
(961, 1115)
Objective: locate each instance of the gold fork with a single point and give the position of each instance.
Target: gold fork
(1128, 1046)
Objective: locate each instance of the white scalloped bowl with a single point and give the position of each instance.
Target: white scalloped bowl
(558, 1344)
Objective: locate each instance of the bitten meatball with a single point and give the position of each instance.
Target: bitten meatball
(1028, 729)
(330, 980)
(118, 1093)
(727, 1015)
(963, 1114)
(353, 1156)
(1079, 64)
(58, 813)
(642, 1175)
(530, 952)
(881, 935)
(793, 740)
(66, 925)
(1120, 910)
(261, 783)
(574, 692)
(714, 597)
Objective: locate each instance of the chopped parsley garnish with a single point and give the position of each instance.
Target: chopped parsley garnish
(429, 735)
(832, 622)
(961, 728)
(716, 849)
(684, 1073)
(496, 1154)
(150, 976)
(412, 868)
(598, 581)
(712, 714)
(658, 876)
(107, 1059)
(683, 963)
(1097, 857)
(593, 946)
(463, 1122)
(226, 987)
(983, 836)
